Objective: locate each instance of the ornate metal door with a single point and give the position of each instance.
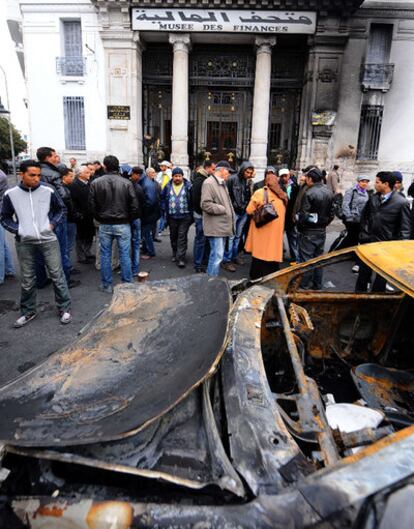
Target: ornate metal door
(220, 125)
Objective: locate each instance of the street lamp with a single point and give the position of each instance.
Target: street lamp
(6, 113)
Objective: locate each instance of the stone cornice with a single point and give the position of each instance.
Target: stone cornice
(343, 8)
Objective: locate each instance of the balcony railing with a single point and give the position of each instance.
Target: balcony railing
(377, 76)
(71, 66)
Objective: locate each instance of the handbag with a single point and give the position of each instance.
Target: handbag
(265, 213)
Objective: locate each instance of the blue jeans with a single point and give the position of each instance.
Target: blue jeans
(233, 247)
(122, 234)
(61, 231)
(71, 230)
(200, 251)
(162, 223)
(216, 255)
(148, 246)
(6, 258)
(136, 240)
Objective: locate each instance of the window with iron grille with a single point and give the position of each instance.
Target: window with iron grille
(369, 132)
(72, 63)
(74, 117)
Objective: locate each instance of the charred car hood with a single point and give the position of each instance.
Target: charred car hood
(152, 346)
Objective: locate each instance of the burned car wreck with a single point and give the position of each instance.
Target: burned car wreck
(188, 404)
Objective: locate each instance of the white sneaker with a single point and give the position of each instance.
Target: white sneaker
(389, 288)
(355, 269)
(65, 317)
(23, 320)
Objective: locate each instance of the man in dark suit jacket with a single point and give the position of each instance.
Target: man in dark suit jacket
(85, 228)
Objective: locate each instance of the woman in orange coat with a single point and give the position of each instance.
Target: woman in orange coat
(266, 243)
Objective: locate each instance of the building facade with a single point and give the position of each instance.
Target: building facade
(283, 82)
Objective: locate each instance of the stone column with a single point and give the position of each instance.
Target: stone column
(140, 142)
(180, 96)
(261, 104)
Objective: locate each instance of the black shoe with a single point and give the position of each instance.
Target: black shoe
(157, 240)
(181, 264)
(72, 283)
(75, 271)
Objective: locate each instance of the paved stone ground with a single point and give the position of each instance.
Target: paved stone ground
(22, 349)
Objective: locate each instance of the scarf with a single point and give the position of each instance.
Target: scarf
(272, 183)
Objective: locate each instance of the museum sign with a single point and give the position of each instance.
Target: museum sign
(221, 21)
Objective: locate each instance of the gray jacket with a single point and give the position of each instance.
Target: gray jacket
(51, 175)
(353, 204)
(218, 213)
(32, 213)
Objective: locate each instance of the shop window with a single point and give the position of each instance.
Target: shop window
(74, 119)
(369, 132)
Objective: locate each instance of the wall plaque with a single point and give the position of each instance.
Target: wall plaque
(214, 21)
(118, 112)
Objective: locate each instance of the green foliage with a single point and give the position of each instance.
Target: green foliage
(19, 143)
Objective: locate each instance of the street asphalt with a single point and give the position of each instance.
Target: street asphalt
(21, 349)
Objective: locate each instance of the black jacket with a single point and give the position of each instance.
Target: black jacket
(316, 205)
(113, 200)
(72, 213)
(140, 197)
(388, 221)
(79, 192)
(240, 189)
(199, 179)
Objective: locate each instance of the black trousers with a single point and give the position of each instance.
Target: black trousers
(311, 244)
(178, 236)
(260, 268)
(352, 237)
(364, 277)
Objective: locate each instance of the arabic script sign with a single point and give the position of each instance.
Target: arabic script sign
(118, 112)
(270, 22)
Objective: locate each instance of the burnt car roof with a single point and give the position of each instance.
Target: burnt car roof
(393, 260)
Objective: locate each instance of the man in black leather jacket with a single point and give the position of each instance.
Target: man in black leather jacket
(313, 217)
(386, 217)
(240, 187)
(114, 205)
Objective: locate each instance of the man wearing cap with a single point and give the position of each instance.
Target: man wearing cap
(355, 200)
(218, 214)
(163, 177)
(399, 183)
(176, 199)
(240, 190)
(314, 215)
(291, 188)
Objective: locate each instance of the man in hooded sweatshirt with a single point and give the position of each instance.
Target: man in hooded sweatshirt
(240, 190)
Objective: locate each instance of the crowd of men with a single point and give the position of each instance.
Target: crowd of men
(58, 209)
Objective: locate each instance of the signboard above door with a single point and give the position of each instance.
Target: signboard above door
(226, 21)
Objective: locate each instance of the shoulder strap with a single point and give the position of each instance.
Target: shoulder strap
(266, 196)
(352, 197)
